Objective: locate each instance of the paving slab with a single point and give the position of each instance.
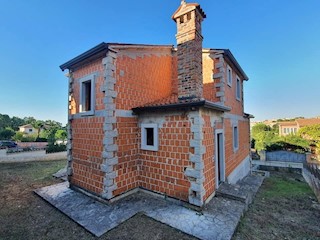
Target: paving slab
(217, 221)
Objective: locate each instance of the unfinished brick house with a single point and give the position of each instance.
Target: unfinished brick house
(158, 118)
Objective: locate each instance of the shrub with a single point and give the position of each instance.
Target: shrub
(282, 145)
(52, 148)
(39, 139)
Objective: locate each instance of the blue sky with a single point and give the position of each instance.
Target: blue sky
(277, 42)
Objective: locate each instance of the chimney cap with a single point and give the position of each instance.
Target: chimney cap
(187, 7)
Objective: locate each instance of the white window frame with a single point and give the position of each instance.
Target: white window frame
(229, 75)
(235, 138)
(144, 145)
(238, 88)
(82, 81)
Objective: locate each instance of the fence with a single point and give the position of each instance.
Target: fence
(284, 156)
(311, 173)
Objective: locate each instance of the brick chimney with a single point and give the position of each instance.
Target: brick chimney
(189, 42)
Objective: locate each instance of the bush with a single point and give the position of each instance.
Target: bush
(282, 145)
(39, 139)
(29, 138)
(52, 148)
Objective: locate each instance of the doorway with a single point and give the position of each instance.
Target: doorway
(219, 157)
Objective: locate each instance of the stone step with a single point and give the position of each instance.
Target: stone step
(233, 192)
(244, 191)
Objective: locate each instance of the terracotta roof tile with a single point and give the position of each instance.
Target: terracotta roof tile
(287, 123)
(172, 99)
(306, 122)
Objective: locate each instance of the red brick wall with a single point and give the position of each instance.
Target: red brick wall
(144, 80)
(233, 159)
(209, 166)
(230, 94)
(163, 171)
(209, 89)
(87, 148)
(87, 134)
(128, 158)
(93, 67)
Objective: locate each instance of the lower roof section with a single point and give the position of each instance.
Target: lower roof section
(183, 105)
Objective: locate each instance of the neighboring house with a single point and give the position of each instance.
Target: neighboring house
(28, 129)
(287, 128)
(153, 117)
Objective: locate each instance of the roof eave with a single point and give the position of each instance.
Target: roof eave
(235, 62)
(202, 103)
(91, 52)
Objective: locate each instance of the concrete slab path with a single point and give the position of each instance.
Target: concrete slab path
(217, 221)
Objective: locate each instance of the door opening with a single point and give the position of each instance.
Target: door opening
(220, 164)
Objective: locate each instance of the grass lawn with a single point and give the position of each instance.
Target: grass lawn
(24, 215)
(283, 209)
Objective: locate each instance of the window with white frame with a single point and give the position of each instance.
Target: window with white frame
(235, 138)
(149, 136)
(87, 95)
(229, 76)
(238, 89)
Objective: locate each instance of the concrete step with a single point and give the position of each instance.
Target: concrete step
(244, 191)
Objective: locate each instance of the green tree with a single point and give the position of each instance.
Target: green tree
(61, 135)
(18, 136)
(4, 121)
(275, 128)
(296, 140)
(6, 134)
(16, 122)
(39, 125)
(258, 128)
(312, 134)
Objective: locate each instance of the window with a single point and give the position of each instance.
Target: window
(30, 129)
(149, 136)
(238, 89)
(284, 130)
(229, 76)
(235, 138)
(87, 95)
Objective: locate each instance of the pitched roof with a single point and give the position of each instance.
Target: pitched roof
(26, 126)
(101, 49)
(306, 122)
(287, 123)
(227, 53)
(172, 102)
